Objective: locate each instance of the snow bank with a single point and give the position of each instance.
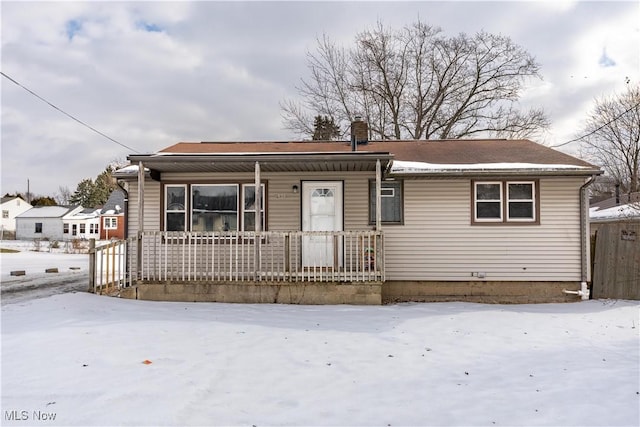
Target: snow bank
(79, 358)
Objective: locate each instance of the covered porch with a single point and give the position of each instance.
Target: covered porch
(195, 261)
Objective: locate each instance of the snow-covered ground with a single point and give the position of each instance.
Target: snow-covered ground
(36, 283)
(74, 358)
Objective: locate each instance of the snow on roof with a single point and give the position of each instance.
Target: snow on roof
(405, 167)
(46, 212)
(627, 211)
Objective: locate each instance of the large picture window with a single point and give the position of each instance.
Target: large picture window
(211, 207)
(214, 207)
(391, 201)
(500, 202)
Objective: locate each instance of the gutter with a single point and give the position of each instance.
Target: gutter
(584, 220)
(126, 210)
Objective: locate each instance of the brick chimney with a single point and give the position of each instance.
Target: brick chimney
(359, 132)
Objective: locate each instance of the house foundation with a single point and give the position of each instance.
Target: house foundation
(489, 292)
(263, 292)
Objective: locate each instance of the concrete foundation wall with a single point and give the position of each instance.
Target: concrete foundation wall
(356, 294)
(275, 293)
(477, 291)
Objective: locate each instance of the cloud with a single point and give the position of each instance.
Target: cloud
(149, 74)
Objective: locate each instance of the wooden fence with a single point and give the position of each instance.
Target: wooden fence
(616, 266)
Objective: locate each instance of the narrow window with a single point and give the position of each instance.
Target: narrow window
(5, 214)
(175, 207)
(83, 228)
(391, 201)
(65, 228)
(38, 227)
(249, 207)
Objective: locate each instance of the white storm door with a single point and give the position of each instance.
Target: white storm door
(321, 211)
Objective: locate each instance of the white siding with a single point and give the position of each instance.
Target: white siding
(438, 242)
(51, 228)
(152, 208)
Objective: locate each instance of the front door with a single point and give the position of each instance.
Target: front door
(322, 211)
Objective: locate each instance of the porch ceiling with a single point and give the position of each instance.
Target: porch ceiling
(304, 162)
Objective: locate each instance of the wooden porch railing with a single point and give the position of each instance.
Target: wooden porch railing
(269, 256)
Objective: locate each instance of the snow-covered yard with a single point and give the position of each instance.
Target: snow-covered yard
(73, 358)
(81, 359)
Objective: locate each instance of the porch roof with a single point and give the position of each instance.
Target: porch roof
(427, 157)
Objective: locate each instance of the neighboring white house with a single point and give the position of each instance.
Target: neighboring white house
(84, 224)
(11, 208)
(42, 222)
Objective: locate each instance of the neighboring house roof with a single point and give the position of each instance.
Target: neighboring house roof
(608, 210)
(621, 212)
(611, 201)
(49, 211)
(115, 203)
(10, 198)
(423, 157)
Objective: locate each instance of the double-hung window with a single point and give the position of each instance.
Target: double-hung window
(211, 207)
(249, 208)
(110, 223)
(175, 207)
(500, 202)
(391, 201)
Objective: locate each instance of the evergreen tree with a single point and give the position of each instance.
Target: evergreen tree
(325, 129)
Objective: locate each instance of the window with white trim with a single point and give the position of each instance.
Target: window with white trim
(5, 214)
(391, 202)
(83, 228)
(504, 202)
(110, 223)
(65, 228)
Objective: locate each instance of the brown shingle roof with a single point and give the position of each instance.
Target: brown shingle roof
(462, 151)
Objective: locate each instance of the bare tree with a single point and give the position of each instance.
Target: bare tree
(420, 84)
(612, 134)
(63, 195)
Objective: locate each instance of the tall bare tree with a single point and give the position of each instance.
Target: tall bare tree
(612, 134)
(417, 83)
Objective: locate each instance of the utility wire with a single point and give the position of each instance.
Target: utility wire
(596, 130)
(67, 114)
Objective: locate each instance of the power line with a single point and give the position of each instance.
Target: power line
(67, 114)
(597, 129)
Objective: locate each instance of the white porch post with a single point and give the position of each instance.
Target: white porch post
(378, 195)
(140, 219)
(140, 197)
(258, 220)
(258, 198)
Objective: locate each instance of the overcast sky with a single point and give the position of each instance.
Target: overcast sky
(150, 74)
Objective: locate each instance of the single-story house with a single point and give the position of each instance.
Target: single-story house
(112, 219)
(58, 223)
(362, 222)
(11, 207)
(83, 224)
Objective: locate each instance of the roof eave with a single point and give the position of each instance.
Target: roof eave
(497, 172)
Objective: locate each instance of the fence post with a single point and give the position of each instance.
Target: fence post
(92, 265)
